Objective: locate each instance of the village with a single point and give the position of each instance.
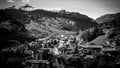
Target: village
(48, 52)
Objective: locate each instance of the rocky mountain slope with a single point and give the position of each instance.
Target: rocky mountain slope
(106, 31)
(41, 22)
(108, 18)
(19, 26)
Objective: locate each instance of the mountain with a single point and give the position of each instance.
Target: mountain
(70, 21)
(109, 21)
(41, 23)
(19, 26)
(12, 31)
(108, 29)
(108, 18)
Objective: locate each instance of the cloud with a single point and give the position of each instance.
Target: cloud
(25, 1)
(10, 1)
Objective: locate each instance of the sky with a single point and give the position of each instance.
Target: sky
(92, 8)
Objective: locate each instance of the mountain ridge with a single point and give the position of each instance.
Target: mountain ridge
(67, 21)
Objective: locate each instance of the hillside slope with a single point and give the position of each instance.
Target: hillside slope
(108, 18)
(19, 26)
(107, 30)
(12, 31)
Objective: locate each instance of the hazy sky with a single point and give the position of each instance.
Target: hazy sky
(92, 8)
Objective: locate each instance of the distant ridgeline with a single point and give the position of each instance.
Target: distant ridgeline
(107, 30)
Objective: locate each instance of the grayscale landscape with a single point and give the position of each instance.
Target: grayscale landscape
(54, 34)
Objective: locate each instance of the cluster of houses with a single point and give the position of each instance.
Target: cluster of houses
(47, 51)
